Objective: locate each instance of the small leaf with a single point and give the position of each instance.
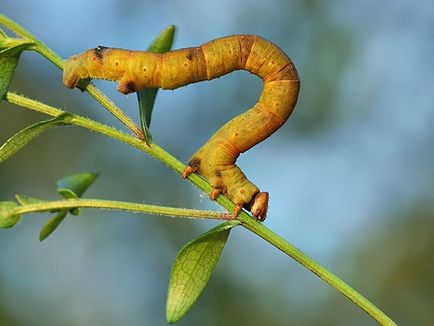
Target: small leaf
(164, 41)
(52, 224)
(21, 138)
(192, 269)
(8, 65)
(146, 97)
(10, 50)
(74, 186)
(8, 220)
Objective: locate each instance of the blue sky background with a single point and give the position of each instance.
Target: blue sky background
(350, 175)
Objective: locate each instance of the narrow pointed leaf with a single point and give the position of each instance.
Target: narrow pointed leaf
(7, 69)
(146, 99)
(7, 218)
(162, 43)
(192, 269)
(10, 50)
(8, 62)
(21, 138)
(74, 186)
(52, 224)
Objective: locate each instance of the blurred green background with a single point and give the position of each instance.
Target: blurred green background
(350, 175)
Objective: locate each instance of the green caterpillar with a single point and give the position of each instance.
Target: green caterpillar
(136, 70)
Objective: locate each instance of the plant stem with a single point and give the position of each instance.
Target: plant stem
(45, 51)
(119, 205)
(316, 268)
(246, 220)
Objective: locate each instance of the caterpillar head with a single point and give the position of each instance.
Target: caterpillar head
(259, 205)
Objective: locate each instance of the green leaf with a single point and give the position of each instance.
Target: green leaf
(164, 41)
(8, 220)
(146, 97)
(52, 224)
(7, 69)
(192, 269)
(8, 62)
(74, 186)
(70, 187)
(10, 50)
(21, 138)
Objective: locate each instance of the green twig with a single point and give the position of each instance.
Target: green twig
(118, 205)
(45, 51)
(316, 268)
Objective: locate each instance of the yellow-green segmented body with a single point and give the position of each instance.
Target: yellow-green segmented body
(215, 160)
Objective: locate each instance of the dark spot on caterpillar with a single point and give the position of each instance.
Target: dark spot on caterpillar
(194, 162)
(217, 173)
(130, 86)
(99, 51)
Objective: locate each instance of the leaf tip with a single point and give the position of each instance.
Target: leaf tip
(52, 225)
(73, 186)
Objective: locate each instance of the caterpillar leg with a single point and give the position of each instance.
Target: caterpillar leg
(230, 181)
(258, 206)
(188, 170)
(215, 192)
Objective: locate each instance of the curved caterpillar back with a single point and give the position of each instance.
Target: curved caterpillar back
(215, 160)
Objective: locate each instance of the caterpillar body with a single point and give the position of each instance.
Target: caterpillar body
(215, 160)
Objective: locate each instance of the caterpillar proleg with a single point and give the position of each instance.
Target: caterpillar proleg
(215, 160)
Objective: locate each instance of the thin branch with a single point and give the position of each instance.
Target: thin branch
(118, 205)
(317, 269)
